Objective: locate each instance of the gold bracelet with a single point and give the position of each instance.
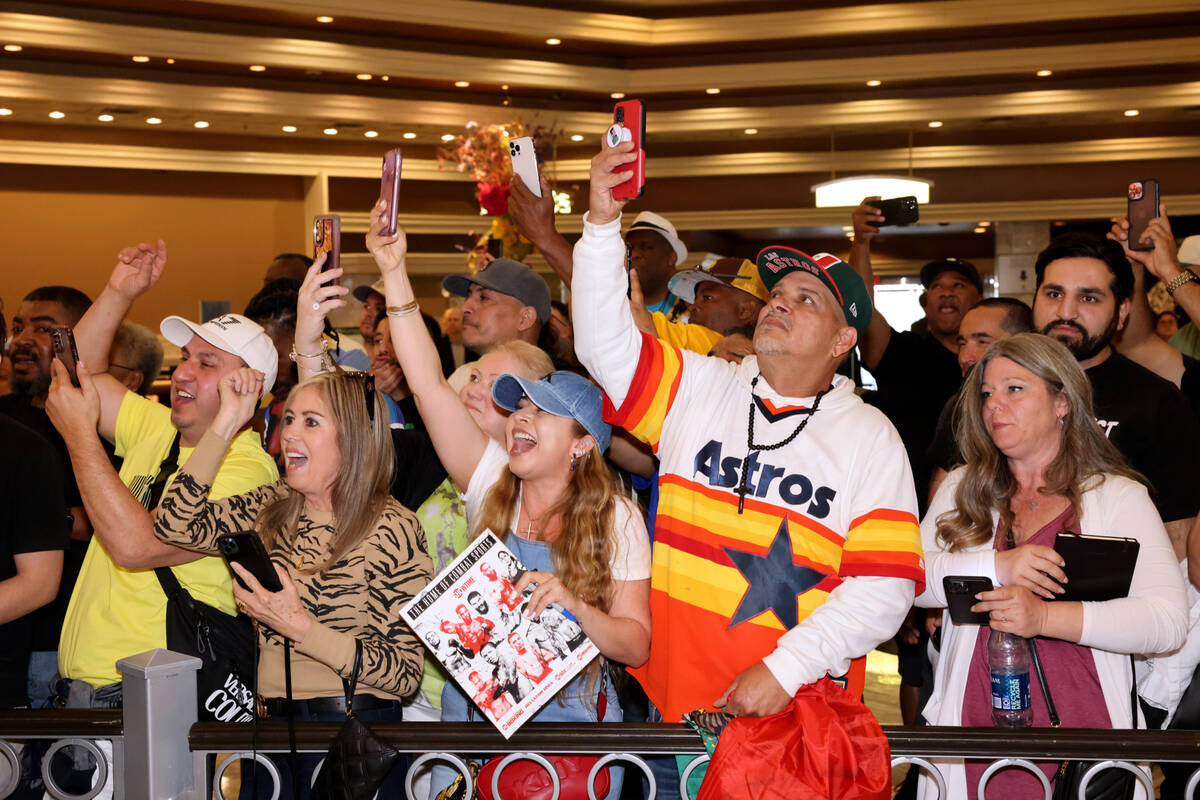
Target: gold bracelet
(324, 350)
(404, 310)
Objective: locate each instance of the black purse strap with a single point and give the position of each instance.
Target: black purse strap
(1052, 712)
(350, 686)
(166, 468)
(291, 717)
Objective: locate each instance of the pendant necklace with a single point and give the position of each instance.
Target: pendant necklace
(744, 489)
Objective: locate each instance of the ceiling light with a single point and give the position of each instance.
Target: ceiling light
(617, 95)
(447, 137)
(4, 112)
(935, 124)
(847, 228)
(850, 191)
(981, 230)
(330, 131)
(874, 83)
(141, 59)
(552, 41)
(1044, 73)
(257, 68)
(170, 61)
(984, 223)
(504, 87)
(384, 77)
(153, 121)
(288, 129)
(105, 118)
(1132, 112)
(410, 135)
(199, 124)
(750, 131)
(324, 19)
(13, 48)
(712, 91)
(462, 84)
(364, 76)
(57, 115)
(577, 137)
(370, 134)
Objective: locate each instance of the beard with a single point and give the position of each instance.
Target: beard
(1086, 346)
(37, 386)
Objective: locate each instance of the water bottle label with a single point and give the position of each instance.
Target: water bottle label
(1010, 692)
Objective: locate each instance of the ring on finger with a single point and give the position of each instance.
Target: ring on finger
(316, 306)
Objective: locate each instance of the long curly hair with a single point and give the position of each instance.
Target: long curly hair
(362, 487)
(1084, 456)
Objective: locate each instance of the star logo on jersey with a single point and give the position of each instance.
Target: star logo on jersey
(775, 581)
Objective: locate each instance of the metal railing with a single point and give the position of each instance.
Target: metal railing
(159, 751)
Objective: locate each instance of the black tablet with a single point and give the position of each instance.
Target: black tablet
(1098, 567)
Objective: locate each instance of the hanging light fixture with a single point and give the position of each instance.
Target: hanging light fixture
(838, 192)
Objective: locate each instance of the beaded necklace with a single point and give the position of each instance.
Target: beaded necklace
(743, 489)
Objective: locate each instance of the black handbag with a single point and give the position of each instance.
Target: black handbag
(359, 760)
(1109, 784)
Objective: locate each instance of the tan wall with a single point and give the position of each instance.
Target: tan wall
(221, 232)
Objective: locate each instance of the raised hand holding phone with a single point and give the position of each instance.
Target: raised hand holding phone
(629, 125)
(389, 188)
(389, 250)
(524, 163)
(609, 169)
(327, 240)
(1143, 206)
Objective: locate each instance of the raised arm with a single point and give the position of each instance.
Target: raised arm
(879, 333)
(534, 217)
(137, 270)
(458, 440)
(1163, 260)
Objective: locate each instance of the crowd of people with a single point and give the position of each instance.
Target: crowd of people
(684, 460)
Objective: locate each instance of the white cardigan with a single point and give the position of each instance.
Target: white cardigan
(1152, 619)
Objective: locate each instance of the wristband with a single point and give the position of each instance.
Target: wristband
(404, 310)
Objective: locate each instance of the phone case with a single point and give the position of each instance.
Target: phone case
(389, 187)
(247, 550)
(960, 596)
(524, 162)
(1143, 207)
(63, 341)
(632, 115)
(898, 211)
(327, 238)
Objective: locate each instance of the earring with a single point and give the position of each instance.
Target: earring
(574, 461)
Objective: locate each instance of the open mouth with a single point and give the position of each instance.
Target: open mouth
(295, 460)
(522, 442)
(183, 396)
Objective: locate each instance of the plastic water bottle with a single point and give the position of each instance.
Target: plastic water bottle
(1008, 663)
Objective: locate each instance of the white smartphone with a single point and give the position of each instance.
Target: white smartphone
(524, 163)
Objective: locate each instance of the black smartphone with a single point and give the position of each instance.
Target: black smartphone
(495, 247)
(960, 596)
(63, 341)
(246, 549)
(1143, 207)
(898, 211)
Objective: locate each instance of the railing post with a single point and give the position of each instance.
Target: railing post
(160, 709)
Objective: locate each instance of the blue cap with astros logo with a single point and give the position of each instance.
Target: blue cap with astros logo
(839, 277)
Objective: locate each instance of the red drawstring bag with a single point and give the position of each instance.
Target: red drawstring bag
(825, 744)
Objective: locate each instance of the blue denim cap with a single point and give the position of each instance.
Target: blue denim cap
(563, 394)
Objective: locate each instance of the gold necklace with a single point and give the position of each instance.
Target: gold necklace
(530, 532)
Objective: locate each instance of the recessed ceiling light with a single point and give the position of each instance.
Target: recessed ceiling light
(462, 84)
(141, 59)
(153, 121)
(257, 68)
(712, 91)
(984, 223)
(199, 124)
(1132, 112)
(288, 129)
(981, 230)
(750, 131)
(105, 118)
(617, 95)
(447, 137)
(384, 77)
(552, 41)
(847, 228)
(364, 76)
(13, 48)
(935, 124)
(370, 134)
(504, 87)
(874, 83)
(577, 137)
(410, 135)
(1044, 73)
(330, 131)
(324, 19)
(170, 61)
(4, 112)
(56, 115)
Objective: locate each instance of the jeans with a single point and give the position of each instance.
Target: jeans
(43, 669)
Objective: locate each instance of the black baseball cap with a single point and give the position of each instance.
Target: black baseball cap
(930, 271)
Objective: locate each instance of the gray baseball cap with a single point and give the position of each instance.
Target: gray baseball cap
(507, 277)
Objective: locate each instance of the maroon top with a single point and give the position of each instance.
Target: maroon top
(1070, 674)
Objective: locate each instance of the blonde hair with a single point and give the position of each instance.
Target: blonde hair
(363, 483)
(534, 360)
(1084, 456)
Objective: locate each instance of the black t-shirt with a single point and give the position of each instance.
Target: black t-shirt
(943, 450)
(1153, 425)
(418, 469)
(1190, 384)
(33, 518)
(21, 408)
(916, 375)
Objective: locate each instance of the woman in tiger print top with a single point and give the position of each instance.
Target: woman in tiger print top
(347, 554)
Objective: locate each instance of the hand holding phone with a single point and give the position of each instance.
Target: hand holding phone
(63, 341)
(960, 596)
(246, 549)
(629, 125)
(524, 163)
(1143, 207)
(898, 211)
(389, 188)
(327, 238)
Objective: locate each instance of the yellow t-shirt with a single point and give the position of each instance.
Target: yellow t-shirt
(685, 336)
(117, 612)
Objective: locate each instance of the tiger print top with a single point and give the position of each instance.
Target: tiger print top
(358, 597)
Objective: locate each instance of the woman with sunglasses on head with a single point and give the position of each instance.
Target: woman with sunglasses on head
(546, 491)
(346, 553)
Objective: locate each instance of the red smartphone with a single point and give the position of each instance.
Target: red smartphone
(389, 188)
(63, 341)
(327, 238)
(631, 115)
(1143, 207)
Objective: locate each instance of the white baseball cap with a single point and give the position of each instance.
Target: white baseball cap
(649, 221)
(1189, 251)
(233, 333)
